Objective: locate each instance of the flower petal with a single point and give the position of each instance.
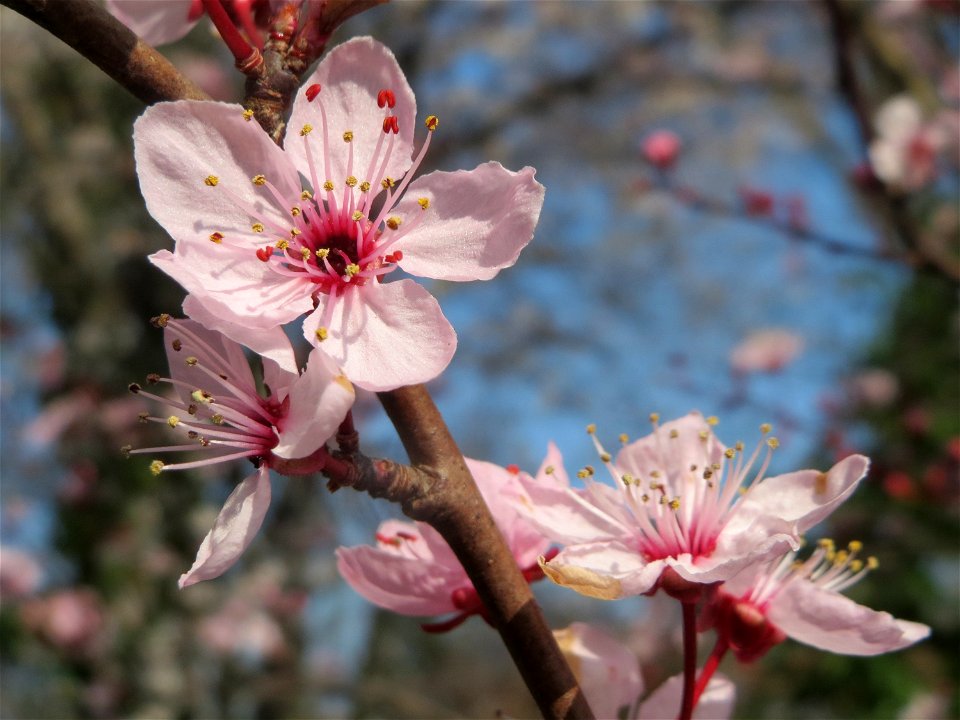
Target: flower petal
(835, 623)
(319, 400)
(351, 76)
(674, 446)
(385, 335)
(477, 222)
(177, 145)
(716, 702)
(605, 570)
(157, 22)
(272, 343)
(234, 529)
(564, 515)
(404, 585)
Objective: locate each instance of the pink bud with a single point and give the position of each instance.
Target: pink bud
(661, 148)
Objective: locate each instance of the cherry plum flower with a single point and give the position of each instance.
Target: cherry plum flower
(685, 511)
(766, 350)
(661, 148)
(904, 153)
(783, 597)
(221, 412)
(609, 674)
(412, 571)
(255, 248)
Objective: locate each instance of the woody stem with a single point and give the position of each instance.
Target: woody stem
(689, 659)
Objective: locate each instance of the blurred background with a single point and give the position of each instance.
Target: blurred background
(760, 271)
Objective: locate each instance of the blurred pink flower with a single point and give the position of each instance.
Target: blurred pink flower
(904, 153)
(20, 573)
(661, 148)
(412, 571)
(242, 629)
(609, 675)
(256, 250)
(159, 22)
(873, 388)
(71, 620)
(686, 511)
(221, 410)
(768, 350)
(784, 598)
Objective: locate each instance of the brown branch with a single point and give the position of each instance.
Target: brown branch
(110, 45)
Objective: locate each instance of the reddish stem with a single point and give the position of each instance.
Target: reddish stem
(244, 14)
(689, 659)
(247, 57)
(709, 668)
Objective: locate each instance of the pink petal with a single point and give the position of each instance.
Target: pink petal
(477, 222)
(564, 515)
(178, 144)
(351, 76)
(403, 585)
(606, 570)
(217, 354)
(319, 400)
(716, 702)
(835, 623)
(805, 497)
(659, 451)
(553, 462)
(157, 22)
(234, 529)
(607, 671)
(272, 344)
(385, 335)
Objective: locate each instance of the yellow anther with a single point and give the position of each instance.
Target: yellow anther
(321, 333)
(247, 114)
(364, 186)
(591, 429)
(191, 360)
(357, 216)
(351, 181)
(872, 563)
(306, 129)
(549, 469)
(707, 474)
(766, 428)
(306, 195)
(295, 211)
(693, 467)
(294, 232)
(352, 269)
(703, 435)
(645, 498)
(259, 180)
(322, 252)
(201, 396)
(654, 418)
(856, 565)
(605, 457)
(675, 504)
(424, 203)
(729, 453)
(840, 557)
(387, 183)
(739, 446)
(304, 253)
(156, 467)
(282, 244)
(826, 543)
(855, 546)
(773, 443)
(624, 438)
(713, 421)
(674, 434)
(211, 180)
(393, 222)
(328, 185)
(173, 421)
(431, 122)
(628, 479)
(654, 473)
(216, 237)
(217, 419)
(348, 136)
(257, 227)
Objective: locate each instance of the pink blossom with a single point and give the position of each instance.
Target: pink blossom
(682, 503)
(70, 619)
(20, 573)
(661, 148)
(784, 598)
(767, 350)
(255, 249)
(904, 153)
(243, 629)
(412, 571)
(609, 675)
(221, 412)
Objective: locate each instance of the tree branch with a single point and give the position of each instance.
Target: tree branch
(110, 45)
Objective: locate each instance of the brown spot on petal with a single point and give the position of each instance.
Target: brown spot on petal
(820, 484)
(586, 582)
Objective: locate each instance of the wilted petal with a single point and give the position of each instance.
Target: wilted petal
(234, 529)
(605, 570)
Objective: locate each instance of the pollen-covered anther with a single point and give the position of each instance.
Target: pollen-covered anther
(605, 457)
(306, 129)
(264, 253)
(674, 434)
(211, 180)
(675, 504)
(364, 186)
(156, 467)
(348, 136)
(177, 345)
(247, 114)
(201, 396)
(328, 185)
(393, 222)
(192, 409)
(306, 195)
(627, 479)
(282, 244)
(766, 428)
(304, 253)
(259, 180)
(191, 361)
(295, 211)
(654, 418)
(386, 98)
(351, 181)
(352, 269)
(322, 333)
(160, 321)
(549, 470)
(312, 92)
(432, 122)
(216, 237)
(713, 421)
(624, 438)
(173, 421)
(357, 216)
(773, 443)
(387, 183)
(591, 429)
(257, 227)
(391, 124)
(729, 453)
(294, 232)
